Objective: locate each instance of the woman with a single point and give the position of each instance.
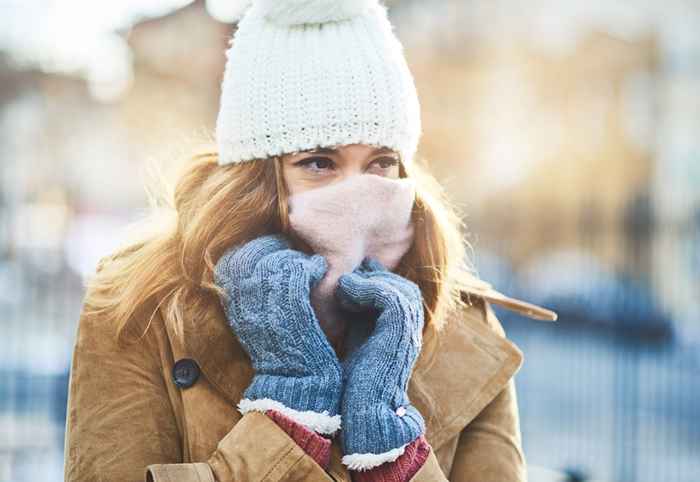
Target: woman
(301, 310)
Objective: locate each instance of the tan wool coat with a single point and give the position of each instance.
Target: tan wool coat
(128, 421)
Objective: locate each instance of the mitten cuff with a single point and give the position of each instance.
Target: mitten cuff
(369, 460)
(377, 434)
(319, 422)
(312, 398)
(402, 469)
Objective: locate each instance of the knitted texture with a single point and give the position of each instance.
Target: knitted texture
(297, 12)
(302, 73)
(363, 215)
(379, 420)
(268, 307)
(400, 470)
(316, 446)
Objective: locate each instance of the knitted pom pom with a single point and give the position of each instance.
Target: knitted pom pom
(295, 12)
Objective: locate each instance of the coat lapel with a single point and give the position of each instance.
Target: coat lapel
(466, 368)
(458, 372)
(211, 342)
(468, 363)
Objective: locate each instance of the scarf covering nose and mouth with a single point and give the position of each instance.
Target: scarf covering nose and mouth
(363, 215)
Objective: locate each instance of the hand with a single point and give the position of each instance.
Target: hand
(269, 310)
(378, 418)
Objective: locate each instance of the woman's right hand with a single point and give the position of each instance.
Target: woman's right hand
(268, 308)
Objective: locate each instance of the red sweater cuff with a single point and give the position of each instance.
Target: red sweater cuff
(318, 447)
(400, 470)
(315, 445)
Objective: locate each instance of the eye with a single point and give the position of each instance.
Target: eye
(322, 163)
(386, 162)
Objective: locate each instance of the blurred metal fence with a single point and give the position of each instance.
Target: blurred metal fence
(600, 405)
(609, 391)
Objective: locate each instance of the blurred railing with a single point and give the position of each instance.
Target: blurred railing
(603, 406)
(610, 390)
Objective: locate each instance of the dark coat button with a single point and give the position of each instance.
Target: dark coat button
(185, 372)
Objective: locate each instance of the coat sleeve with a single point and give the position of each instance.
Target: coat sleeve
(120, 425)
(490, 446)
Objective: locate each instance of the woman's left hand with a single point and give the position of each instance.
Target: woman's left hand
(378, 418)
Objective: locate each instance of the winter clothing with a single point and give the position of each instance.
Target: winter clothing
(127, 420)
(306, 73)
(362, 215)
(297, 371)
(400, 470)
(319, 448)
(316, 446)
(268, 283)
(378, 417)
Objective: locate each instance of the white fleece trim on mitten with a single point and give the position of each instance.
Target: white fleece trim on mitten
(320, 422)
(370, 460)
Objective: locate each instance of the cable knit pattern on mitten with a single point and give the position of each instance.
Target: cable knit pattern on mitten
(268, 306)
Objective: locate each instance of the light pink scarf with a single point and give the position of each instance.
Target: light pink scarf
(363, 215)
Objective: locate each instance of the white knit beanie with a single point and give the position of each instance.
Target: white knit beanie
(302, 74)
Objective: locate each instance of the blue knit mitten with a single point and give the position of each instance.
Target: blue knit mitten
(268, 307)
(378, 418)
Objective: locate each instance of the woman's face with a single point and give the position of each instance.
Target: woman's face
(322, 166)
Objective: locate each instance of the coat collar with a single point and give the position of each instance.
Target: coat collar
(459, 370)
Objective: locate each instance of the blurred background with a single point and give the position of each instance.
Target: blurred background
(567, 131)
